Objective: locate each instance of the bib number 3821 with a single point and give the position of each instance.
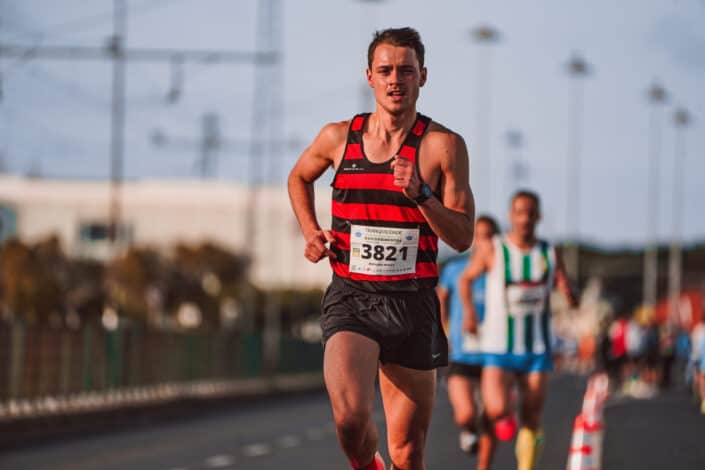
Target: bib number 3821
(383, 251)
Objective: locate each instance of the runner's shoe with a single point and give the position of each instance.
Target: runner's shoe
(468, 442)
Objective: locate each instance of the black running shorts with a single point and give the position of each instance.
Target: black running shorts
(406, 325)
(471, 371)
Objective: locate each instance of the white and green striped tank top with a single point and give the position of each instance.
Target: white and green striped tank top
(517, 316)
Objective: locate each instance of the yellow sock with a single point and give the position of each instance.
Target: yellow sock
(528, 448)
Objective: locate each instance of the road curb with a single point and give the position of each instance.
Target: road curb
(30, 422)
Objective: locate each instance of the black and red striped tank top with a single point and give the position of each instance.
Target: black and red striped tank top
(382, 240)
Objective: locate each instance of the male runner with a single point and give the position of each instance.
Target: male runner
(521, 272)
(465, 355)
(401, 182)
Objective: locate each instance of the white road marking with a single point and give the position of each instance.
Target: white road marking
(219, 461)
(287, 442)
(314, 434)
(256, 450)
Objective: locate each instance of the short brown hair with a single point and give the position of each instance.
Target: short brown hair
(399, 37)
(527, 194)
(491, 221)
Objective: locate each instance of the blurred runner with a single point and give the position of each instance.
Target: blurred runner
(389, 208)
(465, 355)
(521, 273)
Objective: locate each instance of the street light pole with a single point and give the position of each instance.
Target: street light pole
(516, 169)
(367, 98)
(657, 96)
(578, 69)
(483, 35)
(681, 120)
(117, 125)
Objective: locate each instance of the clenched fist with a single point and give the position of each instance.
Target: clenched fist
(406, 177)
(316, 248)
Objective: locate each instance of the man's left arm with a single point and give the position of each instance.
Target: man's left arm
(452, 217)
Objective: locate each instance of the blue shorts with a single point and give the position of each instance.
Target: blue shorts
(472, 359)
(520, 362)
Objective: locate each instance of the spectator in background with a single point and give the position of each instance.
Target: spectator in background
(617, 338)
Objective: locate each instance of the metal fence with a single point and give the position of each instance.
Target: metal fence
(41, 361)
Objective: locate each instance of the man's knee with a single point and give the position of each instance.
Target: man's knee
(351, 423)
(464, 417)
(496, 409)
(407, 455)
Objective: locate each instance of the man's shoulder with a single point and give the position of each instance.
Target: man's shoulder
(335, 131)
(438, 134)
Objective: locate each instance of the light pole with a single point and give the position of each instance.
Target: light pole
(578, 69)
(484, 36)
(681, 119)
(517, 171)
(657, 96)
(369, 16)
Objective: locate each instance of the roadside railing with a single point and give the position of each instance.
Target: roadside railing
(37, 362)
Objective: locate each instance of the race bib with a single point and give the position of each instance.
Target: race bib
(383, 251)
(526, 300)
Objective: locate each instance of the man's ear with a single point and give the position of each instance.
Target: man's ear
(424, 76)
(368, 74)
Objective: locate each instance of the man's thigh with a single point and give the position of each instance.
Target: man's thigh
(494, 391)
(350, 364)
(408, 396)
(461, 393)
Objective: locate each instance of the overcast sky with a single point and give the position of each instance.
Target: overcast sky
(54, 115)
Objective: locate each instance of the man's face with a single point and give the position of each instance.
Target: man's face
(483, 231)
(395, 77)
(524, 215)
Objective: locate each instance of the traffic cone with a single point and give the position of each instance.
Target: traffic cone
(586, 445)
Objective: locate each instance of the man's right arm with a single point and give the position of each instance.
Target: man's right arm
(310, 166)
(479, 263)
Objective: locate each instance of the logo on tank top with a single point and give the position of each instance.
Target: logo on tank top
(352, 167)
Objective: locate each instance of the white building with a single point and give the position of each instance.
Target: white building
(163, 213)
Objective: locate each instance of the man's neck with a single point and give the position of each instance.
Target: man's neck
(388, 126)
(522, 242)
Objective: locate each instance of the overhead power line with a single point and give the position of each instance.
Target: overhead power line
(115, 51)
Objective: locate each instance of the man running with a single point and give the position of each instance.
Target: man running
(465, 355)
(401, 182)
(521, 272)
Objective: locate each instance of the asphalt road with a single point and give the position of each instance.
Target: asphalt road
(288, 432)
(666, 432)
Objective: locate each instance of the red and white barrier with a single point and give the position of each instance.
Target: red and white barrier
(586, 443)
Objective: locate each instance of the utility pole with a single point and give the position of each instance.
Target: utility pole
(485, 37)
(516, 169)
(368, 10)
(268, 34)
(681, 119)
(657, 96)
(578, 69)
(116, 51)
(117, 124)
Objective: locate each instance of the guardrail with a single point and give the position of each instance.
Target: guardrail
(40, 362)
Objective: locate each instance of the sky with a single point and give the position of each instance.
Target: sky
(55, 115)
